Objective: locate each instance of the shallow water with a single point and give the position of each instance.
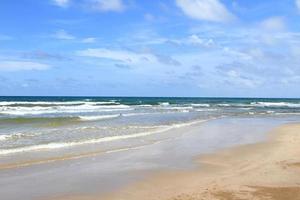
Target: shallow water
(99, 173)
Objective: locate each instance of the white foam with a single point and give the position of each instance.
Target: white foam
(136, 114)
(145, 105)
(180, 108)
(4, 137)
(46, 103)
(184, 111)
(282, 113)
(177, 108)
(38, 110)
(50, 103)
(206, 110)
(164, 103)
(200, 105)
(276, 104)
(245, 108)
(224, 105)
(98, 117)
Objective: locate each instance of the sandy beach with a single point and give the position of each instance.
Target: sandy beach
(258, 159)
(268, 170)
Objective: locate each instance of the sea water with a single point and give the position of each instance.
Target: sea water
(29, 124)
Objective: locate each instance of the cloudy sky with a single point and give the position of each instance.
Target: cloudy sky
(226, 48)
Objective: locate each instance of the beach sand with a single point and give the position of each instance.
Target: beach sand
(268, 170)
(176, 168)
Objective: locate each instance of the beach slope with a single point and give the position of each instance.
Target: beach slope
(268, 170)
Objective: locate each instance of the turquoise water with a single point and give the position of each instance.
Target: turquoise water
(43, 123)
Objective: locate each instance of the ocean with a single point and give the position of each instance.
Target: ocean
(31, 124)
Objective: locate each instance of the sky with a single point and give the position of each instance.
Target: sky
(205, 48)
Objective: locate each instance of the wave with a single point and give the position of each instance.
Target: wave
(224, 105)
(12, 103)
(178, 108)
(13, 136)
(137, 114)
(50, 146)
(98, 117)
(168, 109)
(262, 104)
(164, 103)
(234, 105)
(68, 119)
(276, 104)
(56, 121)
(282, 113)
(200, 105)
(206, 110)
(145, 105)
(55, 103)
(4, 137)
(38, 110)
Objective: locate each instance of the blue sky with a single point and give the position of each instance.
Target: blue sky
(232, 48)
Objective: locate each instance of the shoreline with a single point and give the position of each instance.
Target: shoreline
(71, 155)
(166, 169)
(264, 170)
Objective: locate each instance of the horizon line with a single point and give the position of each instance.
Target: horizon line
(208, 97)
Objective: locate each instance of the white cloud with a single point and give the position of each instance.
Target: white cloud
(62, 3)
(130, 58)
(88, 40)
(193, 40)
(273, 24)
(63, 35)
(118, 55)
(107, 5)
(210, 10)
(22, 65)
(196, 40)
(272, 30)
(298, 4)
(234, 77)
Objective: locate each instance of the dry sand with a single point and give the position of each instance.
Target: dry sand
(264, 171)
(269, 170)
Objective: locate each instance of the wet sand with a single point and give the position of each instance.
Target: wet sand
(169, 167)
(268, 170)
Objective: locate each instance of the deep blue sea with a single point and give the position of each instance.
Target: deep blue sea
(43, 123)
